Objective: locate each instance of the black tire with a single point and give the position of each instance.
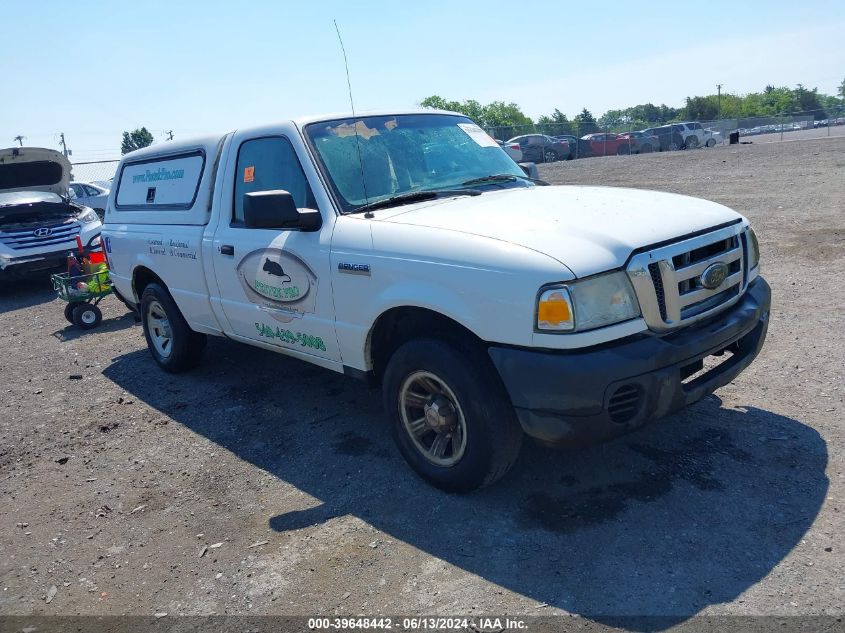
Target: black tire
(623, 150)
(492, 432)
(185, 347)
(86, 315)
(711, 142)
(69, 312)
(691, 142)
(677, 142)
(550, 156)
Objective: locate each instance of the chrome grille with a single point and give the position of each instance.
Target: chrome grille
(19, 239)
(668, 280)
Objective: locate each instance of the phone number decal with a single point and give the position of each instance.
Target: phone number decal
(291, 338)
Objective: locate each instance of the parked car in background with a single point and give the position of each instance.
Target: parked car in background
(695, 135)
(608, 144)
(89, 195)
(642, 143)
(511, 149)
(670, 136)
(576, 148)
(539, 148)
(38, 223)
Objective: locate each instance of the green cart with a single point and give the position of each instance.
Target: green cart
(83, 293)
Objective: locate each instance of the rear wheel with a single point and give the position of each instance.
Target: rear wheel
(86, 315)
(550, 156)
(711, 142)
(172, 343)
(449, 414)
(69, 312)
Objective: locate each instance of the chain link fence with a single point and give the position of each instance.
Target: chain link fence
(550, 142)
(100, 171)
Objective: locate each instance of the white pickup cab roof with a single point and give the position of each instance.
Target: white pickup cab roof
(171, 182)
(166, 183)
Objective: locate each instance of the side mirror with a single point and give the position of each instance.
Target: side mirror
(277, 210)
(530, 170)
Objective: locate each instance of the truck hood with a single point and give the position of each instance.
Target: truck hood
(33, 169)
(588, 229)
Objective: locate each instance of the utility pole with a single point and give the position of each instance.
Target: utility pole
(64, 145)
(169, 134)
(719, 101)
(19, 138)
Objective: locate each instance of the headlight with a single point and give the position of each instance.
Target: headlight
(588, 304)
(88, 216)
(753, 250)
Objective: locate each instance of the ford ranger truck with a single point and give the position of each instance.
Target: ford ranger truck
(407, 249)
(39, 224)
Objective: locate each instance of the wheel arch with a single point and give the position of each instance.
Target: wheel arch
(142, 276)
(397, 325)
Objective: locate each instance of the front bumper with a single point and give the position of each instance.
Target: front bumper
(582, 397)
(29, 264)
(19, 263)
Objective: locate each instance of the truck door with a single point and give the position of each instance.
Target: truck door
(274, 284)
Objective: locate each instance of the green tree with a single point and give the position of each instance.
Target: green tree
(808, 100)
(555, 123)
(842, 89)
(586, 122)
(505, 117)
(136, 139)
(702, 108)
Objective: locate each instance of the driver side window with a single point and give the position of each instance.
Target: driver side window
(266, 164)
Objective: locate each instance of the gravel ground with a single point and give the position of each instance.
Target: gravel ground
(259, 484)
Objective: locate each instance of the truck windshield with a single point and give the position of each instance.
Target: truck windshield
(407, 154)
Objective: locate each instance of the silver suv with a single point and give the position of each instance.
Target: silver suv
(695, 135)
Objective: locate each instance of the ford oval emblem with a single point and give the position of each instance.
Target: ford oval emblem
(714, 275)
(44, 231)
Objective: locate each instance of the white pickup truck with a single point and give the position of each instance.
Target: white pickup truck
(407, 249)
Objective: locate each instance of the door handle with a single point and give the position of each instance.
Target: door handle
(227, 249)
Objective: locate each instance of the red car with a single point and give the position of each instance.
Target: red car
(606, 144)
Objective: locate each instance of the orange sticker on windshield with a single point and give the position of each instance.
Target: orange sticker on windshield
(249, 174)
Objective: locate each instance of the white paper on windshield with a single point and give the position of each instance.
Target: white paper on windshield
(478, 135)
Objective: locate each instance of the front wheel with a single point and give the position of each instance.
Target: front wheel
(550, 156)
(691, 142)
(711, 142)
(449, 415)
(86, 315)
(173, 344)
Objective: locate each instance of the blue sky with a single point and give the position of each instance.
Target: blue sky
(93, 69)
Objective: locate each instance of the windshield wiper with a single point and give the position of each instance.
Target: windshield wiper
(415, 196)
(503, 178)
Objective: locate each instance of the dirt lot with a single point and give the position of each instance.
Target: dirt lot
(262, 485)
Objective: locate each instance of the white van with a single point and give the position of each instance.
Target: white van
(407, 249)
(39, 224)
